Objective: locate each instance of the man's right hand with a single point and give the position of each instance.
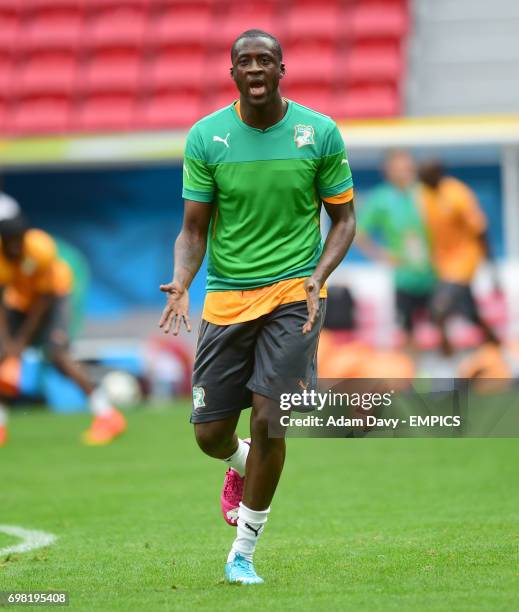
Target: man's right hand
(177, 308)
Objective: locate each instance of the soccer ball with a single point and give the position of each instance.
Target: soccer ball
(122, 388)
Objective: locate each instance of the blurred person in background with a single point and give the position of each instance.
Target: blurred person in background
(35, 287)
(456, 226)
(392, 231)
(492, 366)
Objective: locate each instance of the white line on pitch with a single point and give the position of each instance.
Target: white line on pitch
(31, 539)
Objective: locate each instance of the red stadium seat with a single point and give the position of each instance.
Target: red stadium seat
(371, 63)
(3, 117)
(41, 114)
(316, 97)
(180, 25)
(118, 26)
(50, 72)
(170, 110)
(52, 28)
(193, 5)
(174, 69)
(113, 70)
(220, 97)
(6, 73)
(9, 27)
(242, 17)
(106, 112)
(367, 101)
(314, 21)
(218, 70)
(97, 4)
(378, 19)
(311, 64)
(31, 5)
(11, 5)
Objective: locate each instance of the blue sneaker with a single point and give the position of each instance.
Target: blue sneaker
(241, 571)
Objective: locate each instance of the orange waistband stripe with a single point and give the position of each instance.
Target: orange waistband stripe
(229, 307)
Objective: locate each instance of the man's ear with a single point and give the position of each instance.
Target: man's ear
(282, 70)
(231, 72)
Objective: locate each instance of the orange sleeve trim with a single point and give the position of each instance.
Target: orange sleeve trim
(342, 198)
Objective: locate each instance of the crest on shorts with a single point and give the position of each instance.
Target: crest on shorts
(304, 135)
(198, 397)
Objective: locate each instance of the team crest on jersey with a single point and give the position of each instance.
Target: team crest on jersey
(304, 135)
(198, 397)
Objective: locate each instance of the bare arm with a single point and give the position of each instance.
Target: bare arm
(5, 337)
(337, 243)
(32, 323)
(189, 252)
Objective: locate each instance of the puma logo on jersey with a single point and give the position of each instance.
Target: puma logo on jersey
(344, 161)
(224, 140)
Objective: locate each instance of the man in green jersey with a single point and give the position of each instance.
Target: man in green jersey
(391, 230)
(255, 176)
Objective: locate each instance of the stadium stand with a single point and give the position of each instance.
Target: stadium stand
(83, 65)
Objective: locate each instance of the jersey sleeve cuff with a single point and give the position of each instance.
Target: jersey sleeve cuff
(197, 196)
(341, 198)
(328, 192)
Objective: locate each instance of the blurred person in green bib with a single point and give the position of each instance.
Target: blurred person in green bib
(391, 230)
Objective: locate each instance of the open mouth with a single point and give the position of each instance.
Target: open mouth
(257, 89)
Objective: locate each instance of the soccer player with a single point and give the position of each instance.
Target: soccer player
(457, 226)
(391, 230)
(255, 175)
(35, 285)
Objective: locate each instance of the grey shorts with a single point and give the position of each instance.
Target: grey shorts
(453, 298)
(53, 332)
(262, 356)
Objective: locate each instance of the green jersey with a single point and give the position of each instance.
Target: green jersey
(266, 188)
(393, 216)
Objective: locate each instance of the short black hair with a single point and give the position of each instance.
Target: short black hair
(259, 34)
(431, 173)
(15, 226)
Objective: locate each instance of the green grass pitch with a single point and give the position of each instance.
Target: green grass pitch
(388, 524)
